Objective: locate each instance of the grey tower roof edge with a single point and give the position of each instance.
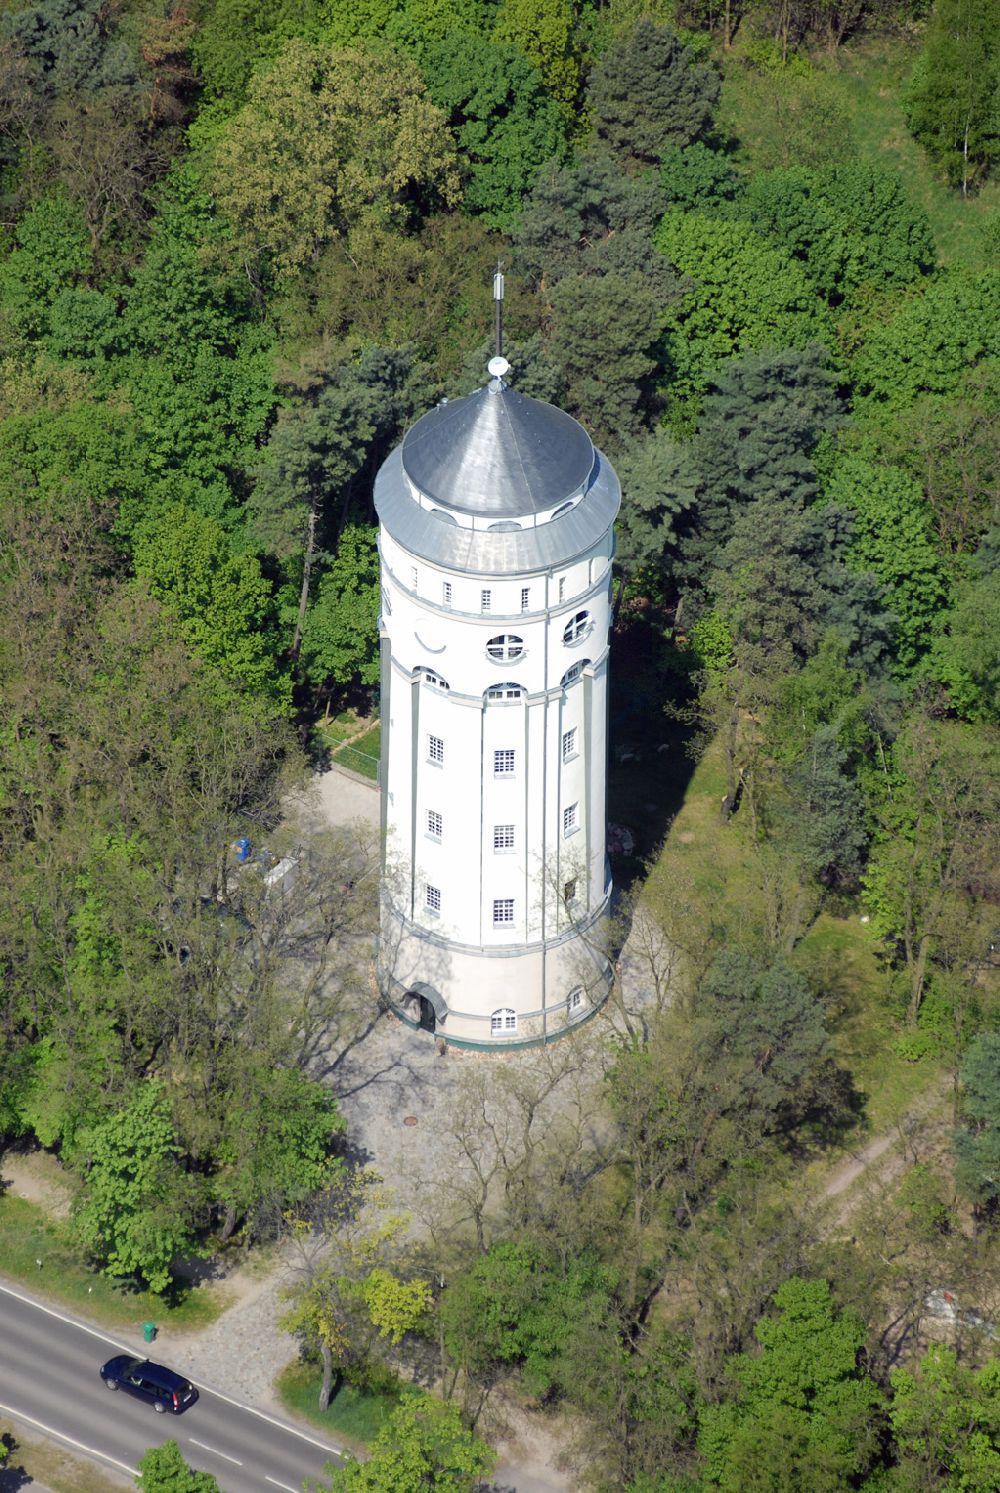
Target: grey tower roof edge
(498, 453)
(517, 551)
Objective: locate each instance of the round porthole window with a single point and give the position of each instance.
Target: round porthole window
(504, 648)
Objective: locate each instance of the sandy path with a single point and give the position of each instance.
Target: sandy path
(864, 1163)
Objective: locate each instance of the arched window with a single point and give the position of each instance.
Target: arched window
(501, 692)
(577, 628)
(503, 1021)
(574, 672)
(428, 676)
(504, 648)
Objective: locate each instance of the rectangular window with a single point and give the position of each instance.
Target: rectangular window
(504, 692)
(569, 891)
(435, 750)
(525, 598)
(434, 824)
(503, 762)
(503, 911)
(432, 898)
(562, 587)
(446, 593)
(503, 837)
(574, 1000)
(485, 600)
(569, 744)
(569, 819)
(413, 577)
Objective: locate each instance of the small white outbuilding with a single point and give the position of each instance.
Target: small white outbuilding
(496, 539)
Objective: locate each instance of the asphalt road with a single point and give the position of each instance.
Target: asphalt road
(49, 1380)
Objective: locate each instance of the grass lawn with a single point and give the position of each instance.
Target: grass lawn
(865, 81)
(337, 729)
(363, 754)
(28, 1234)
(871, 78)
(842, 955)
(51, 1467)
(708, 872)
(711, 861)
(353, 1414)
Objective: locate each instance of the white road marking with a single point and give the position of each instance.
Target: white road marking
(92, 1451)
(274, 1480)
(62, 1317)
(282, 1425)
(215, 1451)
(124, 1348)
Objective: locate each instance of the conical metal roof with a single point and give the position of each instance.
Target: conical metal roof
(497, 452)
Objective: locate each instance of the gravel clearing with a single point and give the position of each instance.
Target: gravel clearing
(403, 1097)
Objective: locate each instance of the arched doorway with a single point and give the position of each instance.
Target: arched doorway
(425, 1006)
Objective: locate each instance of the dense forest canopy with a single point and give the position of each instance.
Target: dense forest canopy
(246, 242)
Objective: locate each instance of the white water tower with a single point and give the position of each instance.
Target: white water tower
(496, 539)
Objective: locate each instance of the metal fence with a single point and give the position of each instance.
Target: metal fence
(357, 761)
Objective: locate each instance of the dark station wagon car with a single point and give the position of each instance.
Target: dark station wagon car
(159, 1387)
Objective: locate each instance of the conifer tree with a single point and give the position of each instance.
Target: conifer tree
(649, 92)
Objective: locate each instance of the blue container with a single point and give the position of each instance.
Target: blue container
(241, 850)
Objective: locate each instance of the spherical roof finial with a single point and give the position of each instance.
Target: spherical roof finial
(498, 366)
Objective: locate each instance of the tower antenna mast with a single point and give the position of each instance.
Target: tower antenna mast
(498, 306)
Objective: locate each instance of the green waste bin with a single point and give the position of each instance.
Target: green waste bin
(148, 1331)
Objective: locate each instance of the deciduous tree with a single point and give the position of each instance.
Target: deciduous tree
(423, 1444)
(744, 295)
(221, 600)
(803, 1416)
(965, 655)
(163, 1470)
(945, 1419)
(335, 138)
(544, 33)
(340, 634)
(505, 125)
(893, 539)
(951, 103)
(932, 340)
(936, 852)
(977, 1142)
(850, 225)
(135, 1213)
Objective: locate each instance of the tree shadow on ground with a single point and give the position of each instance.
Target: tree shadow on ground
(830, 1108)
(13, 1477)
(195, 1270)
(354, 1157)
(649, 761)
